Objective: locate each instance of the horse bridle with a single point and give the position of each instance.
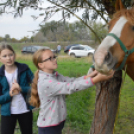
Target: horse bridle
(127, 52)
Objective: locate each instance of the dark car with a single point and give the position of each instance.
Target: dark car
(33, 49)
(69, 46)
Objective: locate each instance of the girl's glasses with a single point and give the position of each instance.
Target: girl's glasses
(50, 58)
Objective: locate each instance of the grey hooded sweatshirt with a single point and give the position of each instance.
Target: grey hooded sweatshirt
(52, 89)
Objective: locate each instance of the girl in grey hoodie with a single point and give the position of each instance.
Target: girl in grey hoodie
(49, 89)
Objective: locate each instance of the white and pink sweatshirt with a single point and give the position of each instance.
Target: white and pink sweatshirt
(52, 89)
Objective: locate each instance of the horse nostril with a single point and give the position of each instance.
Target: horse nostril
(108, 57)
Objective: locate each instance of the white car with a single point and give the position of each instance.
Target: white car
(81, 51)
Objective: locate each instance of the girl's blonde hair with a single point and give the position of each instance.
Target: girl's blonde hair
(4, 46)
(37, 58)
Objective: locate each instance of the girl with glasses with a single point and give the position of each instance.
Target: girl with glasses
(15, 79)
(49, 89)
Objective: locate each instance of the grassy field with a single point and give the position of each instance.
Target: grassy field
(80, 105)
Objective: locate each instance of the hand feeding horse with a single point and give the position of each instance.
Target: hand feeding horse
(117, 48)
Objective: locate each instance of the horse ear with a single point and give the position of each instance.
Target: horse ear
(119, 5)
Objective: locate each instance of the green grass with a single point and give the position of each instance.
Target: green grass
(125, 121)
(80, 105)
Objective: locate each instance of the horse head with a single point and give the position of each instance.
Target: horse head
(118, 44)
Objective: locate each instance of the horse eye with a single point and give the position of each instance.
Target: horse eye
(133, 28)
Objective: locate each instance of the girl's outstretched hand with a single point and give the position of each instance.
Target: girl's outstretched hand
(92, 74)
(101, 77)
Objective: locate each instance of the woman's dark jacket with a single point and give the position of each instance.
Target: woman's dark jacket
(24, 78)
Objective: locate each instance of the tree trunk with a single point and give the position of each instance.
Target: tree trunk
(107, 100)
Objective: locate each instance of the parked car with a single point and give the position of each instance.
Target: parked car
(33, 49)
(69, 46)
(81, 50)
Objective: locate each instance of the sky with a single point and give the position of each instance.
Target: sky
(21, 26)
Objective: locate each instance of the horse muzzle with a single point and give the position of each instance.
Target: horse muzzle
(104, 61)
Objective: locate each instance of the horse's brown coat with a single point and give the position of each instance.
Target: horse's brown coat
(127, 37)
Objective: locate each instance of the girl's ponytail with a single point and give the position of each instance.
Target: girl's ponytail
(37, 58)
(34, 100)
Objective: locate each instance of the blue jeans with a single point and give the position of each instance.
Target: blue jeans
(51, 130)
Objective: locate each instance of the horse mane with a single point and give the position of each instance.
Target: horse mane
(127, 13)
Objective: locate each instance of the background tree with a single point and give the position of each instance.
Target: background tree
(7, 37)
(65, 31)
(32, 39)
(13, 40)
(39, 37)
(82, 31)
(1, 39)
(91, 9)
(100, 29)
(24, 39)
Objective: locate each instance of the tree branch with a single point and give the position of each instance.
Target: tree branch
(77, 18)
(93, 9)
(96, 10)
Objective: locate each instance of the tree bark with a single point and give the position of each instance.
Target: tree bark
(107, 100)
